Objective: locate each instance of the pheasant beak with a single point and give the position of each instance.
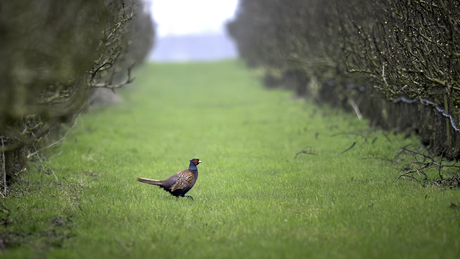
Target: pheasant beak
(199, 161)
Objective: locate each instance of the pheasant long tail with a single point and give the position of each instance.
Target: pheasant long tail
(150, 181)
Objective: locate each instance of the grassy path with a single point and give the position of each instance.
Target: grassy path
(252, 198)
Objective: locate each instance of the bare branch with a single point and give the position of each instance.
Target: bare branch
(54, 143)
(304, 151)
(350, 147)
(4, 170)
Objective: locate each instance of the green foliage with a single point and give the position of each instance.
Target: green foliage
(253, 199)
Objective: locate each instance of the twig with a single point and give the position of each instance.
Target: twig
(5, 220)
(439, 170)
(109, 84)
(53, 174)
(375, 139)
(121, 243)
(43, 167)
(410, 176)
(387, 138)
(383, 75)
(348, 133)
(4, 169)
(417, 153)
(54, 143)
(416, 169)
(350, 147)
(402, 150)
(303, 151)
(355, 108)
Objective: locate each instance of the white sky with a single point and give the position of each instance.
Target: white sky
(176, 17)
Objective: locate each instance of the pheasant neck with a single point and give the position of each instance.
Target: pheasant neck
(192, 166)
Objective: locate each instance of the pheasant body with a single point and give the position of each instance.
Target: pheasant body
(179, 183)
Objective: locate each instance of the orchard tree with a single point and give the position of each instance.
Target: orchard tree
(52, 52)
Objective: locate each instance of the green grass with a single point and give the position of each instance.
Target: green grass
(253, 199)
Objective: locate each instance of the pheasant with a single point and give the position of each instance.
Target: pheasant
(179, 183)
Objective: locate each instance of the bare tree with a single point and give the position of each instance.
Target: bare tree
(52, 52)
(375, 58)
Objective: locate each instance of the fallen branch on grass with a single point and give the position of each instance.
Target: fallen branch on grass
(350, 147)
(121, 243)
(425, 165)
(304, 151)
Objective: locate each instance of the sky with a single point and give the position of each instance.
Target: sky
(179, 17)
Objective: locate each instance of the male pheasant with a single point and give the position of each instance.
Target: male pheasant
(179, 183)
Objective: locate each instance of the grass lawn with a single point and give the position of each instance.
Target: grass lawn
(253, 197)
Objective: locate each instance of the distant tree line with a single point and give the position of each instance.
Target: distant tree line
(394, 62)
(52, 53)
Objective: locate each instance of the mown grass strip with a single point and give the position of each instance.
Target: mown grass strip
(254, 197)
